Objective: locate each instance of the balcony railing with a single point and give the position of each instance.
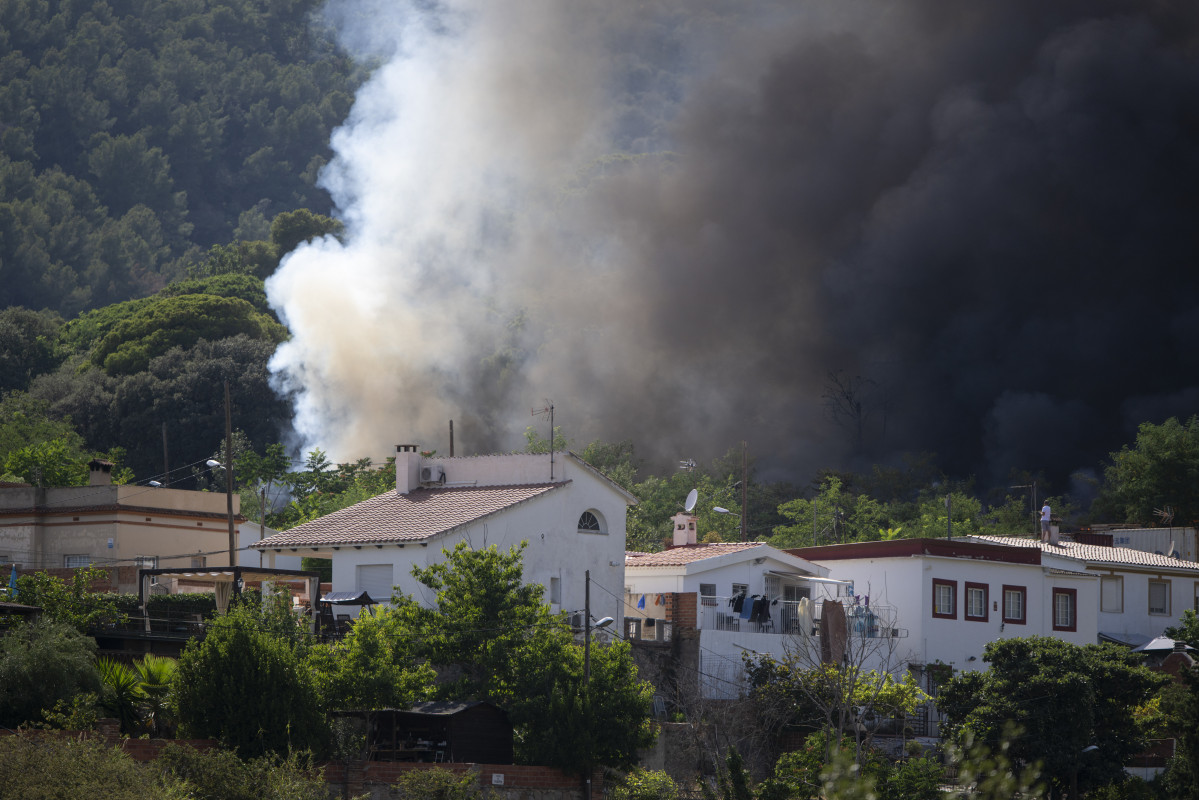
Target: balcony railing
(790, 618)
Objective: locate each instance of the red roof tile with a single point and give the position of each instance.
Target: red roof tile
(418, 515)
(678, 556)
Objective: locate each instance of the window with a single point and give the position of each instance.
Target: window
(1014, 604)
(199, 562)
(945, 599)
(591, 522)
(1111, 594)
(376, 580)
(976, 602)
(1065, 604)
(740, 588)
(1159, 597)
(1197, 596)
(556, 591)
(707, 594)
(75, 562)
(146, 562)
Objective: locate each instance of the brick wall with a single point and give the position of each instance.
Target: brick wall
(363, 775)
(681, 609)
(120, 579)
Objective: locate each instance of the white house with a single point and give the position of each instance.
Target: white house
(571, 516)
(955, 596)
(773, 587)
(1141, 592)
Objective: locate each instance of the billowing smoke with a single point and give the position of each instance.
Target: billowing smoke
(838, 230)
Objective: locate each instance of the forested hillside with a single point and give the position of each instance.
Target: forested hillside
(136, 134)
(157, 159)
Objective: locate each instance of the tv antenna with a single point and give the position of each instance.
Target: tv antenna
(548, 411)
(1166, 515)
(688, 464)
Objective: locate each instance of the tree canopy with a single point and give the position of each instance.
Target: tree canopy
(1064, 697)
(1156, 480)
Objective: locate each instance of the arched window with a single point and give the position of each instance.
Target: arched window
(591, 522)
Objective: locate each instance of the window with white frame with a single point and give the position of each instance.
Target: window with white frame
(707, 594)
(146, 562)
(76, 561)
(376, 580)
(1159, 597)
(1014, 604)
(1065, 609)
(945, 599)
(591, 522)
(556, 591)
(199, 562)
(740, 588)
(1111, 594)
(976, 602)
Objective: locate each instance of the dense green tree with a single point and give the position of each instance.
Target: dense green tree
(42, 663)
(26, 421)
(26, 346)
(49, 463)
(1155, 479)
(491, 637)
(74, 768)
(1065, 697)
(832, 515)
(292, 228)
(372, 667)
(70, 603)
(248, 688)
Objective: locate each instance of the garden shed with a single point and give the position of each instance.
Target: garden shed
(442, 731)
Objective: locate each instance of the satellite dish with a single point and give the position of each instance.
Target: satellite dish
(692, 497)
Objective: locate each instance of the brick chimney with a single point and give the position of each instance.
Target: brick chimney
(99, 472)
(407, 468)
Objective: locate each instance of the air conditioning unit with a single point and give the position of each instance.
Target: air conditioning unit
(434, 473)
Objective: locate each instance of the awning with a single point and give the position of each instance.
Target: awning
(805, 577)
(348, 599)
(1126, 639)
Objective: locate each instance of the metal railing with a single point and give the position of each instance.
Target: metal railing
(789, 617)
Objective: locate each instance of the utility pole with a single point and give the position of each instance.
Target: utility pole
(587, 675)
(229, 477)
(744, 491)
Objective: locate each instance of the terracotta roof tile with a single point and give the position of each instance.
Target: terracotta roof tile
(1095, 553)
(678, 556)
(416, 516)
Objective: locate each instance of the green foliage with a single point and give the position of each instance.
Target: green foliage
(137, 135)
(179, 321)
(439, 784)
(67, 768)
(372, 667)
(1180, 705)
(833, 515)
(242, 287)
(137, 694)
(322, 488)
(1187, 629)
(26, 421)
(71, 603)
(492, 633)
(994, 772)
(26, 346)
(915, 779)
(292, 228)
(221, 775)
(248, 688)
(42, 663)
(1065, 697)
(645, 784)
(1159, 471)
(50, 463)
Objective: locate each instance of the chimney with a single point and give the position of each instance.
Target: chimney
(407, 468)
(99, 472)
(684, 529)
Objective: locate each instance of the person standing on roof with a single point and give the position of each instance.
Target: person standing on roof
(1045, 522)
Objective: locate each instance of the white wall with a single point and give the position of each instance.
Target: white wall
(549, 523)
(907, 585)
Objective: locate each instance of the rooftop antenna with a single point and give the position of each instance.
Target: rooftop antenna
(548, 410)
(688, 464)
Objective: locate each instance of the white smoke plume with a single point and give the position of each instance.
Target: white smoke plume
(676, 219)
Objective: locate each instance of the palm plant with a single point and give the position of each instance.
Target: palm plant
(121, 693)
(155, 674)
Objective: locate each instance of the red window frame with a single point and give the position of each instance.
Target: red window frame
(986, 601)
(1073, 595)
(1023, 590)
(953, 586)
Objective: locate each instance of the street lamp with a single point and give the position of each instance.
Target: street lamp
(740, 525)
(214, 464)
